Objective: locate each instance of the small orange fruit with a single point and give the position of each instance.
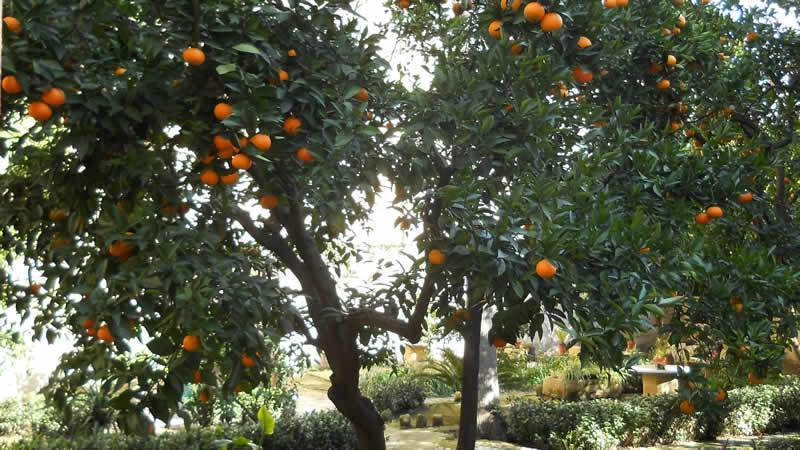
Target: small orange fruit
(304, 155)
(533, 12)
(584, 42)
(663, 84)
(222, 111)
(88, 323)
(610, 4)
(754, 379)
(209, 177)
(36, 289)
(194, 56)
(230, 178)
(104, 334)
(499, 342)
(403, 4)
(738, 308)
(225, 148)
(11, 85)
(209, 158)
(269, 201)
(291, 125)
(751, 36)
(622, 3)
(54, 97)
(671, 60)
(247, 361)
(517, 48)
(681, 21)
(436, 257)
(203, 396)
(243, 143)
(654, 68)
(283, 75)
(13, 24)
(191, 343)
(291, 53)
(545, 269)
(644, 250)
(721, 395)
(57, 215)
(582, 76)
(495, 28)
(686, 407)
(91, 331)
(261, 142)
(197, 377)
(508, 107)
(242, 161)
(40, 111)
(690, 133)
(551, 22)
(745, 197)
(362, 95)
(120, 71)
(701, 219)
(714, 212)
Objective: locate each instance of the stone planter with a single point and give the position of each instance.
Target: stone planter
(564, 389)
(415, 354)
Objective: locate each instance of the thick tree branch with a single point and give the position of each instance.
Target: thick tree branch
(272, 241)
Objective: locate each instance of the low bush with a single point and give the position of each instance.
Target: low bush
(398, 391)
(645, 420)
(326, 430)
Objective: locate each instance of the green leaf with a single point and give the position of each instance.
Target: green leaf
(247, 48)
(226, 68)
(266, 420)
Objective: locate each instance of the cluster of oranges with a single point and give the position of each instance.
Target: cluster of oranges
(103, 332)
(712, 212)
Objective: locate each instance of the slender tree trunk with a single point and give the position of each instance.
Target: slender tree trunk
(468, 421)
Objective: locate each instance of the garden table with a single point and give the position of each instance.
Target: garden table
(654, 376)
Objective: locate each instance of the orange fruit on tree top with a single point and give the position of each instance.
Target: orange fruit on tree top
(291, 125)
(654, 68)
(88, 323)
(362, 95)
(584, 42)
(436, 257)
(721, 395)
(242, 161)
(686, 407)
(224, 146)
(499, 342)
(269, 201)
(230, 178)
(203, 396)
(494, 28)
(751, 36)
(517, 48)
(671, 60)
(582, 76)
(120, 71)
(663, 84)
(738, 308)
(533, 12)
(283, 75)
(191, 343)
(610, 3)
(551, 22)
(13, 24)
(247, 361)
(622, 3)
(209, 177)
(715, 212)
(701, 218)
(745, 197)
(54, 97)
(261, 142)
(243, 142)
(545, 269)
(681, 21)
(40, 111)
(291, 53)
(403, 4)
(194, 56)
(11, 85)
(197, 377)
(104, 334)
(91, 331)
(222, 111)
(304, 155)
(36, 289)
(515, 4)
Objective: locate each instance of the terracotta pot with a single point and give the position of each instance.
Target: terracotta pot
(562, 348)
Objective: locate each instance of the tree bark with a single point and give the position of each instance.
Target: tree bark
(468, 420)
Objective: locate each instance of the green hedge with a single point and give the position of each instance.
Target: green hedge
(327, 430)
(650, 420)
(398, 392)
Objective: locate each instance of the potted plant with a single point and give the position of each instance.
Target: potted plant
(660, 352)
(561, 335)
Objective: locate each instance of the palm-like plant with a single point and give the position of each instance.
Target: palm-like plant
(446, 371)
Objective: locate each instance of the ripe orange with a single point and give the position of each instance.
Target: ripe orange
(222, 111)
(91, 331)
(247, 361)
(610, 3)
(57, 215)
(209, 177)
(545, 269)
(362, 95)
(686, 407)
(88, 323)
(291, 126)
(551, 22)
(622, 3)
(11, 85)
(690, 133)
(261, 142)
(191, 343)
(104, 334)
(517, 48)
(40, 111)
(283, 75)
(584, 42)
(403, 4)
(715, 212)
(194, 56)
(269, 201)
(663, 84)
(666, 32)
(745, 197)
(654, 68)
(36, 289)
(224, 146)
(120, 71)
(54, 97)
(121, 249)
(499, 342)
(242, 161)
(197, 377)
(701, 219)
(515, 4)
(304, 155)
(754, 379)
(533, 12)
(644, 250)
(681, 21)
(751, 36)
(13, 24)
(678, 2)
(230, 178)
(243, 143)
(291, 53)
(508, 107)
(458, 9)
(495, 27)
(721, 395)
(738, 308)
(436, 257)
(209, 158)
(237, 389)
(671, 60)
(203, 396)
(582, 76)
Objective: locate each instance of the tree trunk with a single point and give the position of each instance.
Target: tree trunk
(468, 421)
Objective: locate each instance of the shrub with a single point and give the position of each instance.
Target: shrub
(398, 391)
(443, 375)
(646, 420)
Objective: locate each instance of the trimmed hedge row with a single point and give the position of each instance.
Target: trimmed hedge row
(646, 420)
(327, 430)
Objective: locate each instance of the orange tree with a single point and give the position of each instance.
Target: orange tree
(618, 142)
